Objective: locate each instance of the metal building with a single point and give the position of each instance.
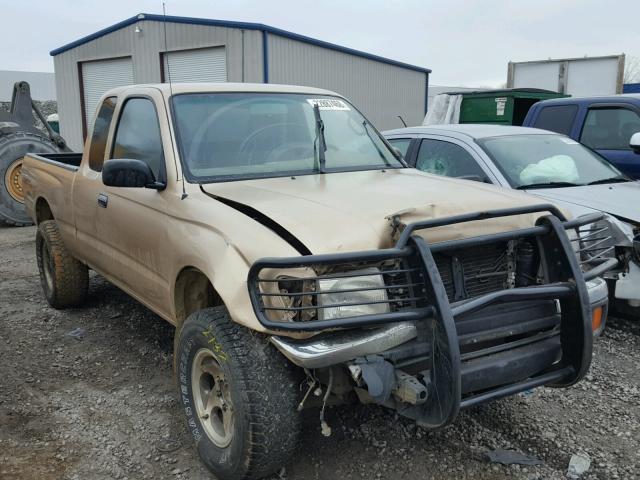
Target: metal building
(134, 51)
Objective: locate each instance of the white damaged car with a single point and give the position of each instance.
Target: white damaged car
(553, 167)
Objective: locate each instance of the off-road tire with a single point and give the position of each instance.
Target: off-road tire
(65, 280)
(264, 392)
(14, 146)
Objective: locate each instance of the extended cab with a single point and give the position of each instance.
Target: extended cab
(303, 263)
(609, 125)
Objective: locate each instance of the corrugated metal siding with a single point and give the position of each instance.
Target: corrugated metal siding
(100, 76)
(380, 91)
(199, 65)
(145, 48)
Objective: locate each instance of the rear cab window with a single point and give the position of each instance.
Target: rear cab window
(100, 133)
(557, 118)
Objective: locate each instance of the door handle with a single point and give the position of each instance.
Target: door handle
(103, 200)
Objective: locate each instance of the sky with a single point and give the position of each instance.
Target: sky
(465, 43)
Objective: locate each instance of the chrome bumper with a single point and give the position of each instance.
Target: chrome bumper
(339, 347)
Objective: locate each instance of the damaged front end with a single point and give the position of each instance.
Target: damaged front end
(607, 239)
(429, 328)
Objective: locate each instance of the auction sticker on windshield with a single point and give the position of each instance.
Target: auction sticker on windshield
(328, 103)
(569, 141)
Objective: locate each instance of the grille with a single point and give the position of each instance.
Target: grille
(475, 271)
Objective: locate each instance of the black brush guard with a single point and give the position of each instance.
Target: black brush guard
(565, 363)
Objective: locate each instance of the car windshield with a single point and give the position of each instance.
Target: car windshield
(228, 136)
(539, 161)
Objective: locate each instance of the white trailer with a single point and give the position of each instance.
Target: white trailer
(580, 77)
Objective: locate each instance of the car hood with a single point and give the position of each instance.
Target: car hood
(621, 200)
(350, 211)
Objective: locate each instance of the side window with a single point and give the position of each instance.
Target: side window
(557, 119)
(138, 135)
(609, 128)
(448, 159)
(100, 133)
(401, 144)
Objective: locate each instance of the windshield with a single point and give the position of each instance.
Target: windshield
(227, 136)
(547, 160)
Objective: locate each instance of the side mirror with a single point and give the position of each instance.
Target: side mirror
(129, 173)
(634, 142)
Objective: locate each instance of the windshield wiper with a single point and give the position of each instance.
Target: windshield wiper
(618, 179)
(322, 147)
(366, 124)
(549, 185)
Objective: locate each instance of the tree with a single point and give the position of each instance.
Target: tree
(632, 69)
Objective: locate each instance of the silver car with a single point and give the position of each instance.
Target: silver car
(548, 165)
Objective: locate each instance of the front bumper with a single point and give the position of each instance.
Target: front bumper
(481, 348)
(599, 304)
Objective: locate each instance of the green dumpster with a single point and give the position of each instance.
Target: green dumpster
(505, 107)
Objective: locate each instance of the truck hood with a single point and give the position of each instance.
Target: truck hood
(622, 200)
(350, 211)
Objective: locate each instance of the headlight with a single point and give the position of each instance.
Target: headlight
(364, 293)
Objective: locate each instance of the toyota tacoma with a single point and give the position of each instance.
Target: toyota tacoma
(304, 264)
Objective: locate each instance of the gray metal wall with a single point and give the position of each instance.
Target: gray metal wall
(43, 84)
(381, 91)
(145, 48)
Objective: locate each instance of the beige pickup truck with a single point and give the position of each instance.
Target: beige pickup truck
(303, 264)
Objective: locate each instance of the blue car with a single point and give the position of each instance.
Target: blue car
(605, 124)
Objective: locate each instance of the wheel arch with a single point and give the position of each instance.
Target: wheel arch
(193, 291)
(43, 211)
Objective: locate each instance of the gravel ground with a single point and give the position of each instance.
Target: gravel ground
(102, 404)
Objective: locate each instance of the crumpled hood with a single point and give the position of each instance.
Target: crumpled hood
(349, 211)
(621, 200)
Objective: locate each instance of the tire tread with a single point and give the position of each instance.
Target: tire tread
(71, 277)
(270, 393)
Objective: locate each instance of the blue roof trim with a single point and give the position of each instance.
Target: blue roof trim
(234, 24)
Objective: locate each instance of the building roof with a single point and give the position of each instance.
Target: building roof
(471, 130)
(233, 24)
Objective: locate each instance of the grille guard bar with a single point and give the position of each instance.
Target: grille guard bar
(566, 284)
(408, 245)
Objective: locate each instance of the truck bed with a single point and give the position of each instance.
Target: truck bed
(68, 160)
(48, 179)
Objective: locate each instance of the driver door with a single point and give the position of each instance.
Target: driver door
(131, 223)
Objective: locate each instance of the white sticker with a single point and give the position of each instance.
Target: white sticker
(328, 103)
(569, 141)
(501, 103)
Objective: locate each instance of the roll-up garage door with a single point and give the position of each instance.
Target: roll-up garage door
(199, 65)
(100, 76)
